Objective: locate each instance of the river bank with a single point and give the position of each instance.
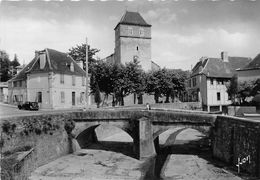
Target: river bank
(113, 158)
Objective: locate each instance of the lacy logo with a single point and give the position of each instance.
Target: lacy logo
(241, 161)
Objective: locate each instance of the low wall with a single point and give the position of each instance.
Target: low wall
(240, 110)
(45, 134)
(237, 140)
(179, 105)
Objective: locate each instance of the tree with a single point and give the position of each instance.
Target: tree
(232, 88)
(244, 90)
(78, 53)
(240, 90)
(97, 96)
(164, 82)
(256, 87)
(103, 75)
(5, 73)
(130, 80)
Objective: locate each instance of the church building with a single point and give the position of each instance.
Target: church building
(132, 41)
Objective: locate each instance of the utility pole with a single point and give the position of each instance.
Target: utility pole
(87, 96)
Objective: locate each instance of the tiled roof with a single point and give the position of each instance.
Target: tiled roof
(56, 62)
(238, 62)
(133, 18)
(216, 67)
(254, 64)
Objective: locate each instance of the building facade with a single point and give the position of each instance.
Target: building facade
(208, 78)
(53, 79)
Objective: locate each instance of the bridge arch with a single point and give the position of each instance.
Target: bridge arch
(86, 134)
(158, 130)
(175, 130)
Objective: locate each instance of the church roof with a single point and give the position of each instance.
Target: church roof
(254, 64)
(133, 18)
(57, 62)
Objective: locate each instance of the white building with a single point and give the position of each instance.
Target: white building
(53, 79)
(207, 80)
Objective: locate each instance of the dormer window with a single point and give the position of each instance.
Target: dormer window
(42, 60)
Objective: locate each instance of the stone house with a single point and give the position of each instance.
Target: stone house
(53, 79)
(207, 81)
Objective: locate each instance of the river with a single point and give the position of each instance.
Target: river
(188, 157)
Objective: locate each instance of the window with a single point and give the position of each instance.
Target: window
(15, 83)
(39, 97)
(62, 97)
(15, 99)
(73, 80)
(211, 81)
(82, 94)
(194, 83)
(137, 48)
(135, 58)
(83, 80)
(141, 32)
(130, 31)
(218, 96)
(62, 78)
(189, 82)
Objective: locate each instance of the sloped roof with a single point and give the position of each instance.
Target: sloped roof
(133, 18)
(254, 64)
(216, 67)
(238, 62)
(56, 62)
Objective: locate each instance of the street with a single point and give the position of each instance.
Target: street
(7, 110)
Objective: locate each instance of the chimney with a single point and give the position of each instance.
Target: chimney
(224, 56)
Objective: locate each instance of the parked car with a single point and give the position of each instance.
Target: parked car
(29, 106)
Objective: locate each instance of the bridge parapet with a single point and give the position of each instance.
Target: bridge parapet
(235, 139)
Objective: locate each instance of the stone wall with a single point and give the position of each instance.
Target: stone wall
(235, 138)
(181, 105)
(49, 141)
(240, 110)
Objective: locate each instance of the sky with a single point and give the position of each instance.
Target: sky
(182, 31)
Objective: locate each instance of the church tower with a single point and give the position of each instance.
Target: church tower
(133, 40)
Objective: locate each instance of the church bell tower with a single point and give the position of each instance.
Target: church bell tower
(133, 40)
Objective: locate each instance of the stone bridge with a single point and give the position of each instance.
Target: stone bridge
(233, 139)
(143, 126)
